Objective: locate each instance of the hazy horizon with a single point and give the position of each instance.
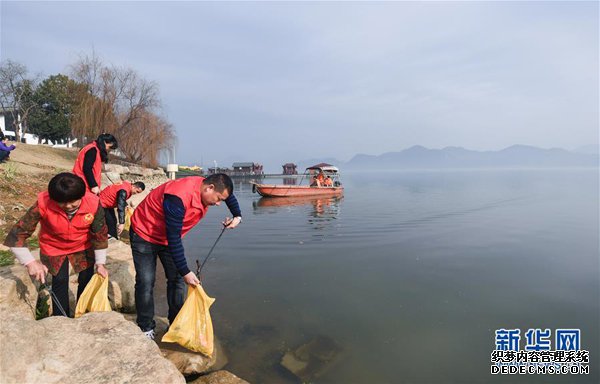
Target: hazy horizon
(278, 82)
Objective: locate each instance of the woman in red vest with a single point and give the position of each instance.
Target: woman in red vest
(89, 161)
(115, 196)
(72, 230)
(157, 226)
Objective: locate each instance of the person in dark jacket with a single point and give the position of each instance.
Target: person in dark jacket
(115, 196)
(5, 148)
(157, 226)
(89, 161)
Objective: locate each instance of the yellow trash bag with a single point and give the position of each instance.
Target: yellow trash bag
(94, 297)
(128, 214)
(192, 327)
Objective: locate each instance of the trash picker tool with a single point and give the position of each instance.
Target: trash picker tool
(200, 266)
(54, 298)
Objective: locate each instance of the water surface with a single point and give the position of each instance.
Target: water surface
(411, 273)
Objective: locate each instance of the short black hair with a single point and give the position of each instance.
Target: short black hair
(66, 187)
(140, 185)
(221, 182)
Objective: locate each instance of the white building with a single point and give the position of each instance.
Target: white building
(28, 138)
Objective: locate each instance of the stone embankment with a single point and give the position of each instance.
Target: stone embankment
(105, 347)
(98, 347)
(113, 173)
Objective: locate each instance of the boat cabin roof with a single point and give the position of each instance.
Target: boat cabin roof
(326, 168)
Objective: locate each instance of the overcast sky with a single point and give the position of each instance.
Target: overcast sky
(277, 82)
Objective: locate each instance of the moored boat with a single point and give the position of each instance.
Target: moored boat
(324, 181)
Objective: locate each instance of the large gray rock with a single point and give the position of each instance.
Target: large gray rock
(109, 178)
(311, 360)
(113, 177)
(133, 170)
(121, 288)
(219, 377)
(109, 167)
(18, 295)
(121, 278)
(186, 361)
(145, 172)
(97, 347)
(135, 200)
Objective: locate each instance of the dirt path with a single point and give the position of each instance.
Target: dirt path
(41, 159)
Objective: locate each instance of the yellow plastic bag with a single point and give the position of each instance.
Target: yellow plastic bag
(192, 328)
(128, 214)
(94, 297)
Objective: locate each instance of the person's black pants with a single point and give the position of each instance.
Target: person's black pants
(60, 286)
(4, 155)
(111, 222)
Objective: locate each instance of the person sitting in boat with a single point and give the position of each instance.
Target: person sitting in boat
(319, 180)
(328, 182)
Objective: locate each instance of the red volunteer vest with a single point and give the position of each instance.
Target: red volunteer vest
(108, 196)
(61, 236)
(97, 169)
(148, 218)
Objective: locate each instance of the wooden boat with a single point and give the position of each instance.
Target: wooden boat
(280, 190)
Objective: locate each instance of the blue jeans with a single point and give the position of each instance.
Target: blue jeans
(144, 259)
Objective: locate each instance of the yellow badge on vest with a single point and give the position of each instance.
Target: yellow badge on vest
(88, 218)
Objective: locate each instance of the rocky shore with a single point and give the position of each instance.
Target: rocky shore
(105, 347)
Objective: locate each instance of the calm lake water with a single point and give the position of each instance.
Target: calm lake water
(411, 273)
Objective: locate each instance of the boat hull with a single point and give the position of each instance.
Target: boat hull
(270, 190)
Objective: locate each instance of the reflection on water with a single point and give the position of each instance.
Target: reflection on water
(320, 211)
(410, 273)
(327, 208)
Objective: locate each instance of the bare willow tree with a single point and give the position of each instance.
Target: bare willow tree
(118, 100)
(92, 116)
(146, 137)
(94, 113)
(118, 95)
(134, 95)
(16, 90)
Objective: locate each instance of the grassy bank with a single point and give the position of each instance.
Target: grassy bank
(25, 175)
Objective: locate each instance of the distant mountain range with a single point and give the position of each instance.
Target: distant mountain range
(419, 157)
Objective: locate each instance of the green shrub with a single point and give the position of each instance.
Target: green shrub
(10, 171)
(42, 307)
(6, 258)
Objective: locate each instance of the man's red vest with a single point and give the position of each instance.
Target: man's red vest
(148, 218)
(108, 196)
(97, 169)
(61, 236)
